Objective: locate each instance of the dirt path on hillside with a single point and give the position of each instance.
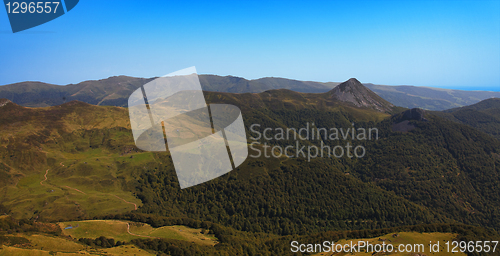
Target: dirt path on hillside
(135, 205)
(46, 172)
(76, 190)
(128, 231)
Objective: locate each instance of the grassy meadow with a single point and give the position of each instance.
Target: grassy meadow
(119, 231)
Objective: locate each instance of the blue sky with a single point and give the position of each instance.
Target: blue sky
(448, 44)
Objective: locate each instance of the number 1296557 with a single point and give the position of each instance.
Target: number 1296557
(471, 246)
(32, 7)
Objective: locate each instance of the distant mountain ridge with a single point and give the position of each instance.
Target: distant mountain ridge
(114, 91)
(241, 85)
(429, 98)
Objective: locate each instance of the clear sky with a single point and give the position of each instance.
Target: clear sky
(449, 44)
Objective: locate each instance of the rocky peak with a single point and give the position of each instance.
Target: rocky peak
(354, 92)
(414, 114)
(401, 121)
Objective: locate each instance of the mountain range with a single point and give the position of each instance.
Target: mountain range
(114, 91)
(425, 170)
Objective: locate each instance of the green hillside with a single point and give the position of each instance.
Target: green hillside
(78, 161)
(484, 116)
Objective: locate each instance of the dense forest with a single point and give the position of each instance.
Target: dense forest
(438, 172)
